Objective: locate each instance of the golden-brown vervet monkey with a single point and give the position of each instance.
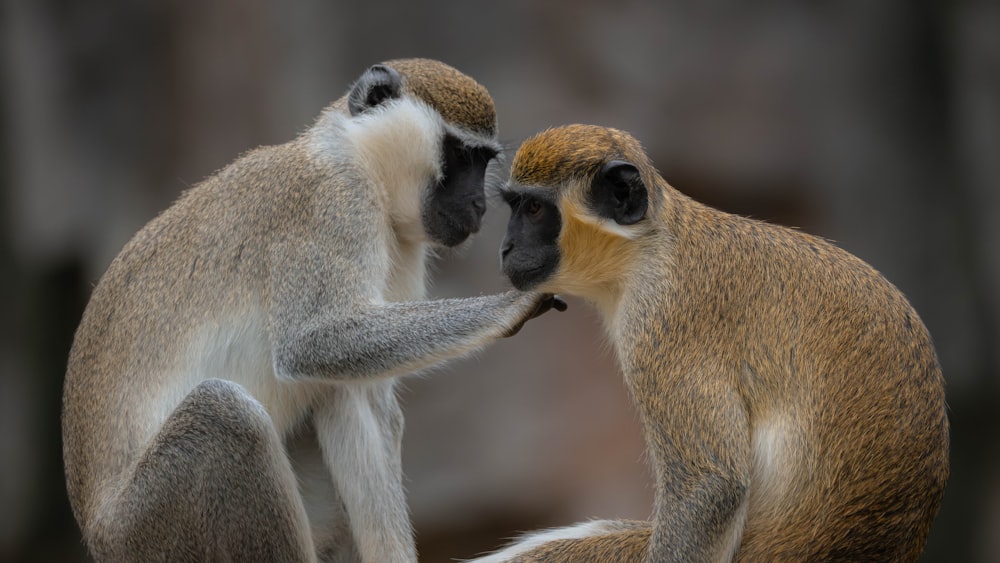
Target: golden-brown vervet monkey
(791, 398)
(230, 391)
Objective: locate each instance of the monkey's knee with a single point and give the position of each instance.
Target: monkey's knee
(214, 484)
(219, 407)
(222, 431)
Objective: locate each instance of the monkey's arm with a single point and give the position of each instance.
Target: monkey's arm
(698, 435)
(393, 338)
(327, 319)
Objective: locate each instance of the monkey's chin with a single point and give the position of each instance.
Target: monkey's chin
(452, 239)
(525, 280)
(448, 232)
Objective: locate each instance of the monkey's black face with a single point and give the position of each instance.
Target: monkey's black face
(453, 209)
(530, 251)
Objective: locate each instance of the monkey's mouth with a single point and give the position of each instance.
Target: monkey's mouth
(525, 278)
(449, 230)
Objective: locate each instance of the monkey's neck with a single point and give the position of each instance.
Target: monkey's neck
(607, 303)
(652, 274)
(407, 279)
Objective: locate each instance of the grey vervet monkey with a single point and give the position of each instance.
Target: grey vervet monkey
(230, 390)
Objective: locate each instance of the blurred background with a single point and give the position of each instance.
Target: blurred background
(875, 124)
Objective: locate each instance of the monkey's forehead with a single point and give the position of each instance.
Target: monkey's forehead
(457, 97)
(555, 156)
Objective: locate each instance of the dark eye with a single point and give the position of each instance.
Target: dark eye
(534, 208)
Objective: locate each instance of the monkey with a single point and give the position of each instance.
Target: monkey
(791, 399)
(230, 390)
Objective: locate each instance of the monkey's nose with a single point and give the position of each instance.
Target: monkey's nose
(505, 249)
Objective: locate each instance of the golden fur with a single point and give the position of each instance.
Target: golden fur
(792, 400)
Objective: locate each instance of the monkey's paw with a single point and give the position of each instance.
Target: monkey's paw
(545, 303)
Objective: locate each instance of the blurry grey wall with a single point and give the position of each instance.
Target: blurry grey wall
(875, 124)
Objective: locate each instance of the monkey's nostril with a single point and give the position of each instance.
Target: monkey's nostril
(505, 249)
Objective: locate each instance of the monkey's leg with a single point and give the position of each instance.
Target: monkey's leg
(331, 529)
(360, 429)
(599, 541)
(214, 485)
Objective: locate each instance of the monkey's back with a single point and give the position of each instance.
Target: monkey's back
(844, 394)
(193, 276)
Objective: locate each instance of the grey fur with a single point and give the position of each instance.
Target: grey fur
(269, 308)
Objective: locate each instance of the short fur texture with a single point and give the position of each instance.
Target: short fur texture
(792, 401)
(270, 308)
(460, 100)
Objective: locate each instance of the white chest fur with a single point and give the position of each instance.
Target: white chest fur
(407, 273)
(236, 348)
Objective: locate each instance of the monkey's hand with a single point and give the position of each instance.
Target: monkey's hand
(544, 303)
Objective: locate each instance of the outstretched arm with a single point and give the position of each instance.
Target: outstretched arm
(386, 339)
(328, 320)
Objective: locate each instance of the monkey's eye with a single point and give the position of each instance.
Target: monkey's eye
(534, 209)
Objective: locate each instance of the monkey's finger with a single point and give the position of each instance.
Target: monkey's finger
(550, 301)
(546, 302)
(542, 308)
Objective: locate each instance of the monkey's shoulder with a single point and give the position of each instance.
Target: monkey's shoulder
(777, 248)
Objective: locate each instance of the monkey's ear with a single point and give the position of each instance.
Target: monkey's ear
(378, 84)
(619, 193)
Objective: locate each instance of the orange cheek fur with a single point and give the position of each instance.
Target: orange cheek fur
(592, 260)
